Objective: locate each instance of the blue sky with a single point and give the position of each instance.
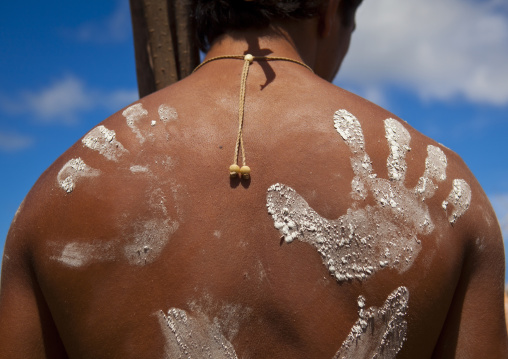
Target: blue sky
(442, 65)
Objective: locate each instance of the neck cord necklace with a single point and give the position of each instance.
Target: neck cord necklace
(236, 171)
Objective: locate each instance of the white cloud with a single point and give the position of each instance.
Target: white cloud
(10, 141)
(376, 95)
(439, 49)
(65, 101)
(115, 100)
(115, 28)
(61, 100)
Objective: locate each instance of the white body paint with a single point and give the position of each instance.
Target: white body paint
(141, 245)
(378, 333)
(149, 239)
(138, 169)
(133, 115)
(398, 140)
(104, 141)
(365, 240)
(72, 171)
(228, 316)
(196, 335)
(167, 113)
(81, 254)
(349, 128)
(354, 246)
(435, 169)
(143, 238)
(193, 337)
(460, 197)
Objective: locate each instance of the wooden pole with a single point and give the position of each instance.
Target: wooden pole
(185, 26)
(164, 42)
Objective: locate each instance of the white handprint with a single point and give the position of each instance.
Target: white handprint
(194, 336)
(378, 333)
(145, 234)
(364, 240)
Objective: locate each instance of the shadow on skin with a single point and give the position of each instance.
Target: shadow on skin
(235, 182)
(265, 66)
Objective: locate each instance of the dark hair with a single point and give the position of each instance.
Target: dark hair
(216, 17)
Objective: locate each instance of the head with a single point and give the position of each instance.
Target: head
(217, 17)
(336, 25)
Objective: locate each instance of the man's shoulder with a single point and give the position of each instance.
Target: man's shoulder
(383, 147)
(105, 175)
(387, 128)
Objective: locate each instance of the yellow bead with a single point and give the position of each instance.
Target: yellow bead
(245, 172)
(249, 58)
(234, 171)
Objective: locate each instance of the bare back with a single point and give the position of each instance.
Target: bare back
(355, 236)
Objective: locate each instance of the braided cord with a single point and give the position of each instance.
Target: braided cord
(240, 57)
(248, 59)
(241, 110)
(256, 58)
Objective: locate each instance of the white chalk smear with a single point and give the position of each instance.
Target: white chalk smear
(104, 141)
(351, 131)
(141, 247)
(228, 316)
(138, 169)
(78, 254)
(72, 171)
(143, 231)
(378, 333)
(398, 141)
(460, 198)
(348, 126)
(167, 113)
(157, 201)
(133, 114)
(365, 240)
(149, 237)
(148, 240)
(354, 246)
(435, 164)
(435, 169)
(193, 336)
(261, 270)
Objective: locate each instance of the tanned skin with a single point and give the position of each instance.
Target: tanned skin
(222, 247)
